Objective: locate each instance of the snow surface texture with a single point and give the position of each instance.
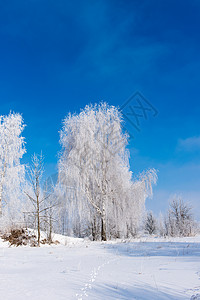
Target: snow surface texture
(146, 268)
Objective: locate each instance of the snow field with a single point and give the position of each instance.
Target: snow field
(146, 268)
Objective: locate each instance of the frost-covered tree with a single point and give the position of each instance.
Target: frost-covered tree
(150, 224)
(179, 220)
(12, 172)
(95, 162)
(161, 225)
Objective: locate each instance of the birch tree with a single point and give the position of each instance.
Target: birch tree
(94, 156)
(12, 148)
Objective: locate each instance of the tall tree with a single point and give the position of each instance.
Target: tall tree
(12, 148)
(95, 158)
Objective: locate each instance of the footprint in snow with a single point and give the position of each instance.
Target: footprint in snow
(195, 297)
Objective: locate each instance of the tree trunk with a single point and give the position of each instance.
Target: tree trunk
(103, 220)
(50, 229)
(1, 193)
(1, 190)
(38, 220)
(103, 229)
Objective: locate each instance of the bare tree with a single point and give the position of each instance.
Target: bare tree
(179, 220)
(42, 211)
(51, 205)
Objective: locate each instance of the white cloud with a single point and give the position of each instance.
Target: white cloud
(190, 144)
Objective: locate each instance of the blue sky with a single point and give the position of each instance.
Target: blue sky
(58, 56)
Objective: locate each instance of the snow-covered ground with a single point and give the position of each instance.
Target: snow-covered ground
(146, 268)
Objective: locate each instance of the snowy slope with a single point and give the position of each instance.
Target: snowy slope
(146, 268)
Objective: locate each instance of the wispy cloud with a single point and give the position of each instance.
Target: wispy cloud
(190, 144)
